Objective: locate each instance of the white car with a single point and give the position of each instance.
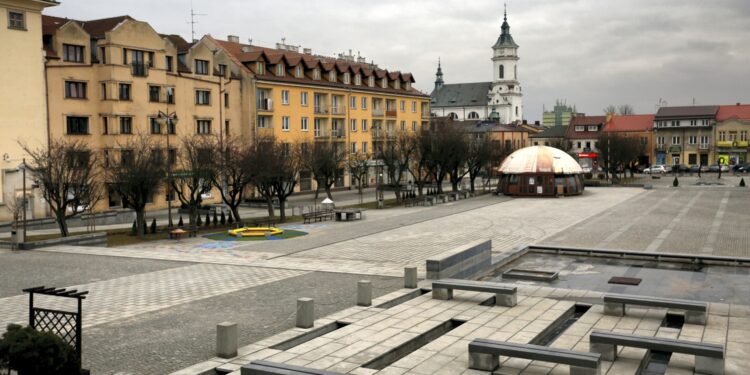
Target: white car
(656, 169)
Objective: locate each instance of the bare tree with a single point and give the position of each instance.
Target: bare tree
(396, 156)
(195, 173)
(482, 152)
(234, 172)
(625, 109)
(610, 109)
(278, 166)
(618, 152)
(452, 149)
(325, 160)
(68, 177)
(136, 175)
(421, 161)
(359, 166)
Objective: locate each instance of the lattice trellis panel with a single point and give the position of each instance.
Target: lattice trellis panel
(60, 323)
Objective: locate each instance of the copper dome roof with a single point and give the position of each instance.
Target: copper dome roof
(540, 159)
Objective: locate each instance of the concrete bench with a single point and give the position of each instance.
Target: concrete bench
(483, 355)
(504, 295)
(709, 358)
(260, 367)
(695, 312)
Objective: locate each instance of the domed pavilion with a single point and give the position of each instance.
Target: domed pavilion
(540, 171)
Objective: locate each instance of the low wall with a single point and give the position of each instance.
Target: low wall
(461, 262)
(88, 239)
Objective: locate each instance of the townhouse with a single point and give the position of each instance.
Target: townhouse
(637, 127)
(683, 135)
(583, 137)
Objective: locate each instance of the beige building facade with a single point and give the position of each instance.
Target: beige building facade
(23, 110)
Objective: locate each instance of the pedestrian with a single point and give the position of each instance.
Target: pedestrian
(699, 169)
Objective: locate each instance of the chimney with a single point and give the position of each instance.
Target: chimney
(233, 38)
(307, 51)
(536, 122)
(738, 103)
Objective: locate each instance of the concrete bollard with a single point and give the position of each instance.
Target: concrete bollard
(364, 293)
(305, 312)
(410, 277)
(226, 340)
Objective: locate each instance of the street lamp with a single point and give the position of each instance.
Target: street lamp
(170, 121)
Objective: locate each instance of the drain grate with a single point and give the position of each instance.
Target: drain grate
(625, 280)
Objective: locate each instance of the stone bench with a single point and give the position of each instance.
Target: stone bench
(483, 355)
(261, 367)
(504, 295)
(709, 358)
(695, 312)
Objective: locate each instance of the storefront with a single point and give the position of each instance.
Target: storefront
(588, 161)
(731, 153)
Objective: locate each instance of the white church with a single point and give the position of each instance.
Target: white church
(500, 100)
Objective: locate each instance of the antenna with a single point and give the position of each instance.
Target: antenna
(193, 21)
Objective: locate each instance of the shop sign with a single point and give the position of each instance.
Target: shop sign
(588, 155)
(675, 149)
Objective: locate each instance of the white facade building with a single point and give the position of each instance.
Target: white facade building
(500, 100)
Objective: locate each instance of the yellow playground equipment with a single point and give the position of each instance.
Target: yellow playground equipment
(255, 232)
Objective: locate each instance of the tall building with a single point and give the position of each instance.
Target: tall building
(683, 134)
(560, 115)
(500, 99)
(23, 110)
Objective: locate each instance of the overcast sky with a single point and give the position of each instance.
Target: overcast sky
(588, 52)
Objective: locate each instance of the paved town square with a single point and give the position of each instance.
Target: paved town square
(183, 288)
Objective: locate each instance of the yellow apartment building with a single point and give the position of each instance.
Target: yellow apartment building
(298, 96)
(23, 111)
(109, 79)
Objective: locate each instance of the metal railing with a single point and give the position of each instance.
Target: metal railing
(378, 112)
(139, 69)
(321, 110)
(265, 104)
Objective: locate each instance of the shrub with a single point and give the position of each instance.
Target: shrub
(32, 352)
(179, 223)
(198, 221)
(742, 182)
(675, 183)
(153, 226)
(216, 219)
(588, 175)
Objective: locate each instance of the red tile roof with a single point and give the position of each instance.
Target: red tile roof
(97, 28)
(571, 132)
(50, 24)
(588, 120)
(630, 123)
(737, 111)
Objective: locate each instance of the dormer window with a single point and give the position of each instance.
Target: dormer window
(371, 81)
(299, 72)
(260, 68)
(384, 83)
(280, 69)
(316, 74)
(357, 79)
(592, 128)
(408, 85)
(332, 76)
(397, 84)
(222, 68)
(580, 128)
(347, 78)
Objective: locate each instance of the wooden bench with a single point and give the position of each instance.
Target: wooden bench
(504, 295)
(695, 312)
(318, 216)
(483, 355)
(261, 367)
(709, 358)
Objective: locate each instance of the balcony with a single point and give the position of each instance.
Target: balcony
(264, 132)
(704, 146)
(265, 105)
(139, 69)
(322, 110)
(661, 147)
(338, 134)
(391, 113)
(338, 110)
(380, 134)
(426, 114)
(320, 134)
(378, 112)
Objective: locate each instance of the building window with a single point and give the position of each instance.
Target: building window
(104, 91)
(16, 20)
(357, 79)
(170, 95)
(154, 94)
(299, 71)
(125, 91)
(396, 84)
(413, 126)
(202, 97)
(226, 100)
(516, 110)
(260, 68)
(592, 128)
(371, 81)
(384, 83)
(77, 125)
(317, 127)
(72, 53)
(473, 115)
(580, 128)
(693, 139)
(578, 144)
(364, 102)
(675, 140)
(414, 107)
(222, 70)
(303, 124)
(168, 63)
(347, 78)
(303, 98)
(353, 124)
(203, 127)
(660, 140)
(364, 125)
(285, 97)
(403, 125)
(126, 125)
(402, 106)
(154, 125)
(316, 74)
(285, 123)
(226, 127)
(105, 125)
(364, 147)
(280, 70)
(201, 67)
(332, 76)
(354, 147)
(75, 90)
(501, 73)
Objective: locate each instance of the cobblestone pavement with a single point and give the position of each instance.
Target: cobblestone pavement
(708, 220)
(129, 296)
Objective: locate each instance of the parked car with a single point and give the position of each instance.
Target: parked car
(743, 168)
(715, 168)
(680, 168)
(695, 167)
(656, 169)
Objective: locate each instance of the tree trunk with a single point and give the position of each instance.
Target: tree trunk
(317, 189)
(62, 223)
(236, 214)
(471, 182)
(140, 221)
(269, 202)
(328, 191)
(282, 211)
(192, 215)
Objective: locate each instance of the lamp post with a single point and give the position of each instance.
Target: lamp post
(170, 121)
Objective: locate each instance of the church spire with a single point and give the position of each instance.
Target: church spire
(505, 39)
(439, 77)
